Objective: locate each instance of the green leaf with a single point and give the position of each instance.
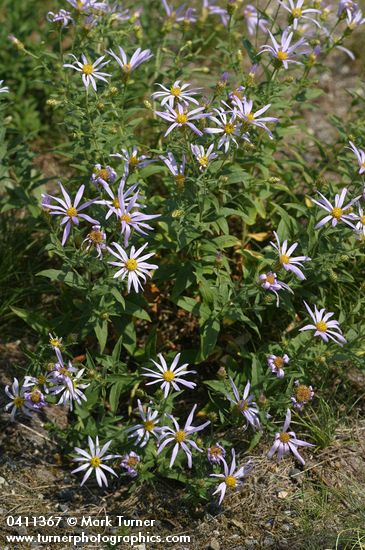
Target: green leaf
(208, 337)
(101, 331)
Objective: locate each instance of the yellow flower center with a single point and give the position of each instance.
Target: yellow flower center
(362, 164)
(337, 213)
(54, 342)
(231, 481)
(321, 326)
(41, 379)
(95, 462)
(127, 67)
(125, 218)
(103, 174)
(284, 437)
(181, 118)
(278, 362)
(362, 220)
(180, 180)
(87, 69)
(284, 259)
(203, 161)
(175, 91)
(96, 236)
(250, 117)
(115, 203)
(71, 212)
(131, 264)
(133, 160)
(270, 279)
(149, 425)
(35, 396)
(228, 128)
(64, 371)
(168, 375)
(19, 402)
(282, 56)
(297, 12)
(302, 393)
(180, 436)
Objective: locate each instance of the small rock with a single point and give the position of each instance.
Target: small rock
(295, 476)
(268, 541)
(66, 495)
(282, 494)
(3, 481)
(213, 545)
(250, 543)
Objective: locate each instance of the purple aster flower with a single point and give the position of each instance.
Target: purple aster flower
(246, 405)
(96, 239)
(215, 453)
(135, 61)
(130, 219)
(71, 391)
(87, 5)
(177, 171)
(3, 89)
(89, 71)
(42, 380)
(103, 176)
(180, 118)
(203, 157)
(286, 442)
(360, 155)
(302, 395)
(276, 364)
(297, 12)
(132, 160)
(132, 265)
(228, 126)
(63, 17)
(360, 226)
(181, 437)
(243, 108)
(142, 432)
(18, 401)
(169, 377)
(130, 463)
(213, 9)
(93, 460)
(284, 52)
(123, 196)
(254, 19)
(354, 19)
(35, 398)
(62, 374)
(289, 263)
(177, 92)
(348, 6)
(54, 341)
(270, 282)
(70, 211)
(323, 327)
(336, 213)
(231, 478)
